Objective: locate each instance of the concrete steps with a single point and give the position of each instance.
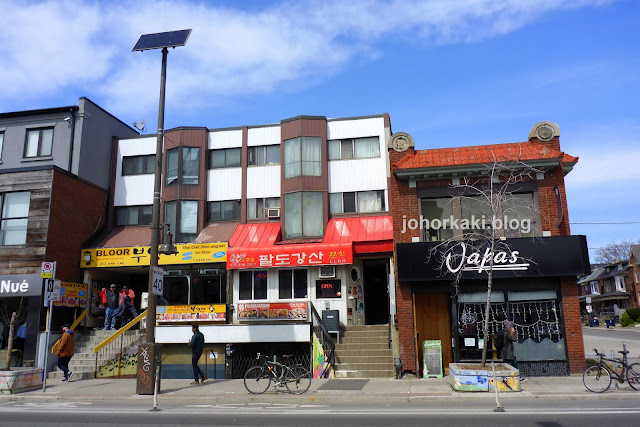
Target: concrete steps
(364, 352)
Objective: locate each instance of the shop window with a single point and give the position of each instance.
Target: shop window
(183, 166)
(224, 158)
(257, 208)
(358, 148)
(361, 201)
(471, 308)
(14, 215)
(326, 288)
(39, 142)
(292, 284)
(264, 155)
(302, 157)
(253, 285)
(209, 289)
(303, 216)
(134, 215)
(138, 165)
(183, 218)
(176, 289)
(227, 210)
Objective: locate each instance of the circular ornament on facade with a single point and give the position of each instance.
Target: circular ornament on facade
(401, 141)
(545, 132)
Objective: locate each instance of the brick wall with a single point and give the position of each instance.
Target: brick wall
(572, 325)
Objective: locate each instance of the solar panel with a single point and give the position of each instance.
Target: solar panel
(160, 40)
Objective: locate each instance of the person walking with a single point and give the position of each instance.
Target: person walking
(197, 347)
(110, 307)
(126, 311)
(508, 338)
(65, 351)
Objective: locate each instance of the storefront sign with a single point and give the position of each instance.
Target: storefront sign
(290, 255)
(466, 258)
(72, 295)
(273, 311)
(20, 285)
(139, 255)
(190, 313)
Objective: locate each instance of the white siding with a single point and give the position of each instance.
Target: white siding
(134, 190)
(263, 181)
(263, 135)
(225, 139)
(224, 184)
(356, 128)
(136, 147)
(357, 175)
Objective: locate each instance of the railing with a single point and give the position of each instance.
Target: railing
(73, 327)
(110, 352)
(328, 345)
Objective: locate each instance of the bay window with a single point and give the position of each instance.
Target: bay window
(183, 166)
(183, 218)
(302, 157)
(303, 215)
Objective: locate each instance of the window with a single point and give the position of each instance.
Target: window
(253, 285)
(328, 288)
(620, 284)
(225, 158)
(138, 165)
(183, 166)
(257, 208)
(362, 201)
(292, 284)
(359, 148)
(519, 207)
(1, 143)
(434, 212)
(302, 157)
(594, 288)
(183, 218)
(134, 215)
(14, 214)
(227, 210)
(39, 142)
(264, 155)
(303, 216)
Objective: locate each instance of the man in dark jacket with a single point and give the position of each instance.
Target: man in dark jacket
(65, 351)
(197, 347)
(110, 307)
(126, 311)
(508, 354)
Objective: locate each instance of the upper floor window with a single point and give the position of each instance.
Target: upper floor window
(264, 155)
(39, 142)
(224, 158)
(361, 201)
(134, 215)
(292, 284)
(302, 157)
(253, 285)
(138, 165)
(358, 148)
(227, 210)
(183, 165)
(183, 217)
(14, 215)
(257, 208)
(1, 143)
(594, 288)
(620, 284)
(303, 215)
(434, 212)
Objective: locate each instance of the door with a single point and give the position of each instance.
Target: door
(433, 322)
(376, 291)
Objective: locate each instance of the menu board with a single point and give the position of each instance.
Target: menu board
(72, 295)
(191, 313)
(273, 311)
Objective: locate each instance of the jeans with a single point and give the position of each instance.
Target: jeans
(197, 372)
(63, 364)
(109, 318)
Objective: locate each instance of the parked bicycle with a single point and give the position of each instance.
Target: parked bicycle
(598, 378)
(257, 379)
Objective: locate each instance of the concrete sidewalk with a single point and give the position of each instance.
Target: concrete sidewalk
(233, 391)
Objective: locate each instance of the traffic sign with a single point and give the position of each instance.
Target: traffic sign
(158, 281)
(48, 270)
(589, 309)
(51, 290)
(588, 300)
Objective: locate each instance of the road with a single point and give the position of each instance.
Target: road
(477, 412)
(608, 340)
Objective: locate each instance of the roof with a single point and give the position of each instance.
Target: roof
(216, 232)
(126, 237)
(595, 275)
(635, 250)
(482, 154)
(256, 234)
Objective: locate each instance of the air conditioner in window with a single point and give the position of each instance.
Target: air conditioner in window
(273, 212)
(328, 272)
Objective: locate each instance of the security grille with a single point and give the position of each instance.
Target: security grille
(244, 355)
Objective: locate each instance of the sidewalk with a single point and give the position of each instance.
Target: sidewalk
(233, 391)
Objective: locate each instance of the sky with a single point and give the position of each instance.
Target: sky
(449, 72)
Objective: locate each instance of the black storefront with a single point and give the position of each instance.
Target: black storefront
(528, 279)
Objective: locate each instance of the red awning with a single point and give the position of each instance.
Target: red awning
(255, 235)
(369, 234)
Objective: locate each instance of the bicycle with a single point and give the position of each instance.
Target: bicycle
(598, 378)
(296, 378)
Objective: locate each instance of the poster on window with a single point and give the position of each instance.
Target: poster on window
(72, 295)
(190, 313)
(273, 311)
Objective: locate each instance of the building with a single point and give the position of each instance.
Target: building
(54, 175)
(441, 278)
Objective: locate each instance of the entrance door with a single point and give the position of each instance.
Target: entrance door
(433, 322)
(376, 292)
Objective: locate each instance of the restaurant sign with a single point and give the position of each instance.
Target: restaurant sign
(140, 255)
(72, 295)
(273, 311)
(190, 313)
(290, 255)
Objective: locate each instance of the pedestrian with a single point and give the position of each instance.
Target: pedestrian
(127, 292)
(509, 336)
(65, 351)
(197, 347)
(126, 311)
(103, 297)
(111, 306)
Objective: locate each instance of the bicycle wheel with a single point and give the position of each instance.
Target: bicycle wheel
(597, 379)
(298, 379)
(633, 376)
(257, 380)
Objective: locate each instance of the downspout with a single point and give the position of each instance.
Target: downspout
(73, 130)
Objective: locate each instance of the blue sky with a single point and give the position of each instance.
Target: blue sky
(450, 73)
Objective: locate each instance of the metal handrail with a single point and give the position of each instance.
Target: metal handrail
(72, 327)
(325, 337)
(120, 332)
(118, 351)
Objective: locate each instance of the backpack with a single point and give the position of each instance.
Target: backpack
(499, 341)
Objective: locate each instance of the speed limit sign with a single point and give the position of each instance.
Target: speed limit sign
(158, 281)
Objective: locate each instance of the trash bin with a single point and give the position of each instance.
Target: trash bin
(610, 323)
(594, 323)
(616, 319)
(331, 320)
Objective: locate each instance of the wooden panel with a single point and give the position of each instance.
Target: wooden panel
(433, 322)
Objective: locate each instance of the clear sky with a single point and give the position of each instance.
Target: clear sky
(449, 72)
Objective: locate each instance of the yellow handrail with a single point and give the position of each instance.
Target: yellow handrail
(73, 326)
(121, 331)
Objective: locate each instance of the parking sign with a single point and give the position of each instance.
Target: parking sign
(48, 270)
(51, 290)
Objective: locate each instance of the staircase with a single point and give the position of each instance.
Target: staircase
(363, 352)
(83, 362)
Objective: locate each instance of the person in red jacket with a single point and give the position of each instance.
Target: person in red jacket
(65, 351)
(126, 292)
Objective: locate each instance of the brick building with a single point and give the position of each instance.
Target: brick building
(432, 193)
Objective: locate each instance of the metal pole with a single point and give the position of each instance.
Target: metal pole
(46, 347)
(155, 219)
(499, 408)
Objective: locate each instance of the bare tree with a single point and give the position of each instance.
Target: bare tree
(12, 316)
(615, 250)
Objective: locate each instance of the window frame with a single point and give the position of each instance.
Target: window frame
(176, 228)
(302, 234)
(235, 211)
(299, 166)
(352, 143)
(139, 208)
(148, 161)
(253, 152)
(253, 285)
(225, 151)
(264, 207)
(356, 203)
(40, 131)
(180, 173)
(292, 284)
(3, 218)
